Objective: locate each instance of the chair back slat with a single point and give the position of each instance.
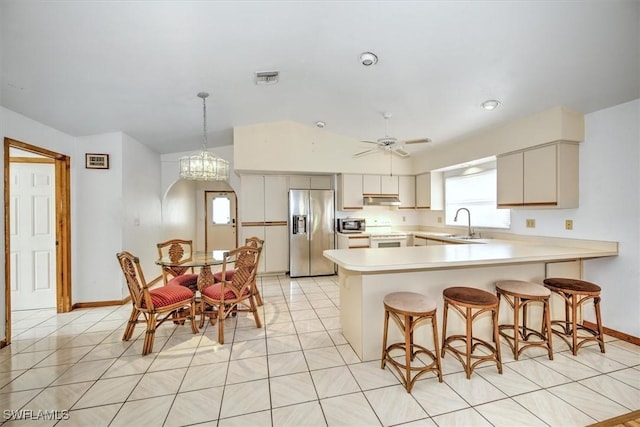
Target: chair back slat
(176, 250)
(138, 288)
(246, 265)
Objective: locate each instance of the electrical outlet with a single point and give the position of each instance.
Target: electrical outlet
(404, 219)
(568, 224)
(439, 220)
(531, 223)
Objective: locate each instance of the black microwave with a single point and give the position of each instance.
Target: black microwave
(351, 225)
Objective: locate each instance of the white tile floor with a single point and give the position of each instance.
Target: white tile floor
(298, 370)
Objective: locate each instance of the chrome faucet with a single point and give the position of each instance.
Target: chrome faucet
(470, 232)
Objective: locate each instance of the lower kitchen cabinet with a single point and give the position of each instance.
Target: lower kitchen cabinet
(277, 239)
(275, 252)
(352, 242)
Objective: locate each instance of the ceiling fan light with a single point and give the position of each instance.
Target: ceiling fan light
(491, 104)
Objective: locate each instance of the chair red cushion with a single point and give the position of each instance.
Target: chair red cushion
(187, 280)
(217, 277)
(215, 292)
(168, 295)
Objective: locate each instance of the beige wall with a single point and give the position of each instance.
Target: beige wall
(289, 147)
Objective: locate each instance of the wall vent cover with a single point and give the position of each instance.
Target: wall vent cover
(267, 77)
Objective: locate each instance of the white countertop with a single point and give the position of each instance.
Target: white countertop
(493, 252)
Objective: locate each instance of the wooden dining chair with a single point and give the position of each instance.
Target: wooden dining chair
(176, 250)
(257, 243)
(235, 295)
(156, 305)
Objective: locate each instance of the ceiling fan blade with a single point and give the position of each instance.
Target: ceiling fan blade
(364, 153)
(372, 142)
(417, 141)
(400, 152)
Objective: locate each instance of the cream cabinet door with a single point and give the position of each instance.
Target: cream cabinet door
(423, 191)
(371, 184)
(389, 184)
(540, 176)
(510, 184)
(252, 198)
(407, 191)
(350, 187)
(321, 182)
(299, 182)
(276, 246)
(276, 198)
(259, 232)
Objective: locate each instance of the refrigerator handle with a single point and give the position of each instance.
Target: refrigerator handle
(299, 224)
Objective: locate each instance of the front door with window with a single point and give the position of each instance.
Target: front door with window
(220, 220)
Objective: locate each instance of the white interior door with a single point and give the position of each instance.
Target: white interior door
(220, 220)
(32, 228)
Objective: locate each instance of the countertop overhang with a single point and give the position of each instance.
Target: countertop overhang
(494, 252)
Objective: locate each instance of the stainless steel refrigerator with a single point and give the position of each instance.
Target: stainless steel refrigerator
(311, 214)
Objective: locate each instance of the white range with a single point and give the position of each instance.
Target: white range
(385, 238)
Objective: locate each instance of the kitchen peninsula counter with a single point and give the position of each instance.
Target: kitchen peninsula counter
(367, 275)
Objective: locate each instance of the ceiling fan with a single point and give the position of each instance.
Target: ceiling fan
(389, 143)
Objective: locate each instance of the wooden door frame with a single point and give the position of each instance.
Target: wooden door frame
(62, 171)
(206, 215)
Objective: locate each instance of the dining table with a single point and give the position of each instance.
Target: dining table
(200, 259)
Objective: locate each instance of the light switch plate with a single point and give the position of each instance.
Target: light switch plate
(531, 223)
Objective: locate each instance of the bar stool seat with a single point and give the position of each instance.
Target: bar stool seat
(575, 293)
(408, 310)
(519, 294)
(470, 303)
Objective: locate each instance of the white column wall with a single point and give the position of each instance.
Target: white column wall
(141, 219)
(97, 235)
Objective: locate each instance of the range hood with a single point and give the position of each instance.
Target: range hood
(381, 200)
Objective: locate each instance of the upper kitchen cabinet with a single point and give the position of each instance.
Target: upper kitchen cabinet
(542, 177)
(310, 182)
(264, 198)
(276, 201)
(252, 198)
(407, 191)
(350, 192)
(429, 191)
(380, 184)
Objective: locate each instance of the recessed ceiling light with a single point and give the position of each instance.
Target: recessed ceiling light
(491, 104)
(320, 124)
(368, 58)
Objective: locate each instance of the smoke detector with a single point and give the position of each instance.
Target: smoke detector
(368, 58)
(267, 77)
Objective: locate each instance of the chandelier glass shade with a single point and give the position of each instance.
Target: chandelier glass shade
(204, 165)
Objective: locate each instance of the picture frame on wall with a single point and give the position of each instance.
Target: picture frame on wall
(96, 161)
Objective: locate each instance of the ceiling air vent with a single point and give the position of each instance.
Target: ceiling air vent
(267, 77)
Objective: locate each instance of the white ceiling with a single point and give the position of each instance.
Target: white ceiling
(136, 66)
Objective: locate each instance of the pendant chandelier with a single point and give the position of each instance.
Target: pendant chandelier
(204, 166)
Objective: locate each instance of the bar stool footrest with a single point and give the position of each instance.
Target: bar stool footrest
(524, 340)
(565, 333)
(401, 368)
(462, 355)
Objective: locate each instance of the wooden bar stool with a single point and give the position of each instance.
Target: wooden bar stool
(575, 293)
(519, 295)
(408, 310)
(465, 300)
